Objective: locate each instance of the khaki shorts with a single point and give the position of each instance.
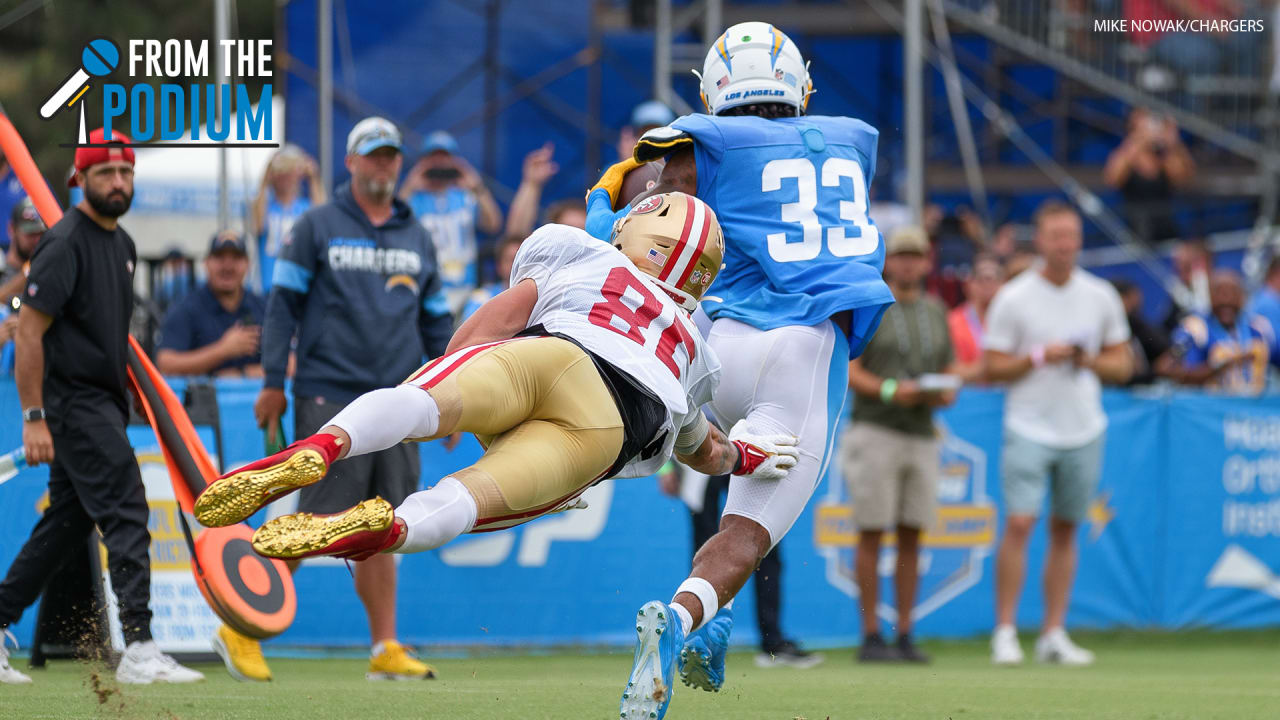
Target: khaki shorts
(892, 477)
(548, 423)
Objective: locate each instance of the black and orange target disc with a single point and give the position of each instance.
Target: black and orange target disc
(252, 594)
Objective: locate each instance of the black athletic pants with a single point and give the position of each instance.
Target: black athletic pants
(94, 480)
(768, 575)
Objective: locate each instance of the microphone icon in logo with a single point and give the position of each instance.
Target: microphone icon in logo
(98, 58)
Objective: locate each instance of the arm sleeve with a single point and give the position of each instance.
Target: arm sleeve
(1001, 333)
(52, 280)
(290, 287)
(435, 321)
(692, 433)
(600, 214)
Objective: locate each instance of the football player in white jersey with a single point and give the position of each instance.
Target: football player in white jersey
(588, 367)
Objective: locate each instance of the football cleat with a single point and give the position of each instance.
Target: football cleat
(702, 658)
(659, 638)
(235, 496)
(357, 533)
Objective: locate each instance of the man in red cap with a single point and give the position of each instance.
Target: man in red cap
(72, 346)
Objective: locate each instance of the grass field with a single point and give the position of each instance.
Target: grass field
(1195, 675)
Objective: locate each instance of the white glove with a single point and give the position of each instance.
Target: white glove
(763, 457)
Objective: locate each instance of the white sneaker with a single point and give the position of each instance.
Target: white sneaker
(9, 675)
(143, 664)
(1005, 649)
(1056, 647)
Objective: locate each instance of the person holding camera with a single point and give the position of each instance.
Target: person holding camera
(280, 202)
(1055, 333)
(450, 200)
(1148, 168)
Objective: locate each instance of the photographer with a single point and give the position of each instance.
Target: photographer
(451, 202)
(1148, 167)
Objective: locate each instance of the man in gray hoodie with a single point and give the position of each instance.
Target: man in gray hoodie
(357, 282)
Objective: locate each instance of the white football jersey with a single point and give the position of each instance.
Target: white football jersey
(589, 291)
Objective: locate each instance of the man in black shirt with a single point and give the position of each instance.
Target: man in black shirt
(72, 347)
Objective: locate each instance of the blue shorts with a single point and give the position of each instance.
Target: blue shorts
(1030, 470)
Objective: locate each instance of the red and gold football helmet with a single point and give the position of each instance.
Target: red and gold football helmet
(676, 239)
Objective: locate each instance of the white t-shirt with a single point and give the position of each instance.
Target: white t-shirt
(1055, 405)
(589, 291)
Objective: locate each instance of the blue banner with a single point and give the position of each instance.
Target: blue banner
(1184, 531)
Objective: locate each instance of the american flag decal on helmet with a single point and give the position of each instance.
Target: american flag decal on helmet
(656, 257)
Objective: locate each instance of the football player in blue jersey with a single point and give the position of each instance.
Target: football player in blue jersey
(799, 296)
(1226, 349)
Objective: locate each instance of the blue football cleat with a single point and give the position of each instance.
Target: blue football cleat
(659, 638)
(702, 658)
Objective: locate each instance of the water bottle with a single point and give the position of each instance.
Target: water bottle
(11, 463)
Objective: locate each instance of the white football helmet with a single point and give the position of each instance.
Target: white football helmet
(754, 62)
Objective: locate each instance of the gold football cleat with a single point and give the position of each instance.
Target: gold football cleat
(357, 533)
(233, 498)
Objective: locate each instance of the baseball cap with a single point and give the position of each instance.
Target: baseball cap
(907, 239)
(372, 133)
(651, 112)
(25, 218)
(440, 140)
(227, 240)
(89, 156)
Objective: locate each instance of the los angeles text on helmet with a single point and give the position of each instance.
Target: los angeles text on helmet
(754, 93)
(180, 109)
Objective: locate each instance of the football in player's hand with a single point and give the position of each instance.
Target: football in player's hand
(638, 181)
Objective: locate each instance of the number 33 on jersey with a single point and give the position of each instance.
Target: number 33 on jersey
(791, 195)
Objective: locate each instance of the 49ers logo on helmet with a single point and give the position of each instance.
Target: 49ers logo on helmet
(649, 204)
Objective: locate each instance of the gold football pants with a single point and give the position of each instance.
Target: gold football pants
(548, 423)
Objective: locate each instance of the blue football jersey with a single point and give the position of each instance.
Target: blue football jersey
(1201, 340)
(791, 196)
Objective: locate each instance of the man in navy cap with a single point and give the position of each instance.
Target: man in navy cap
(357, 283)
(215, 329)
(451, 202)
